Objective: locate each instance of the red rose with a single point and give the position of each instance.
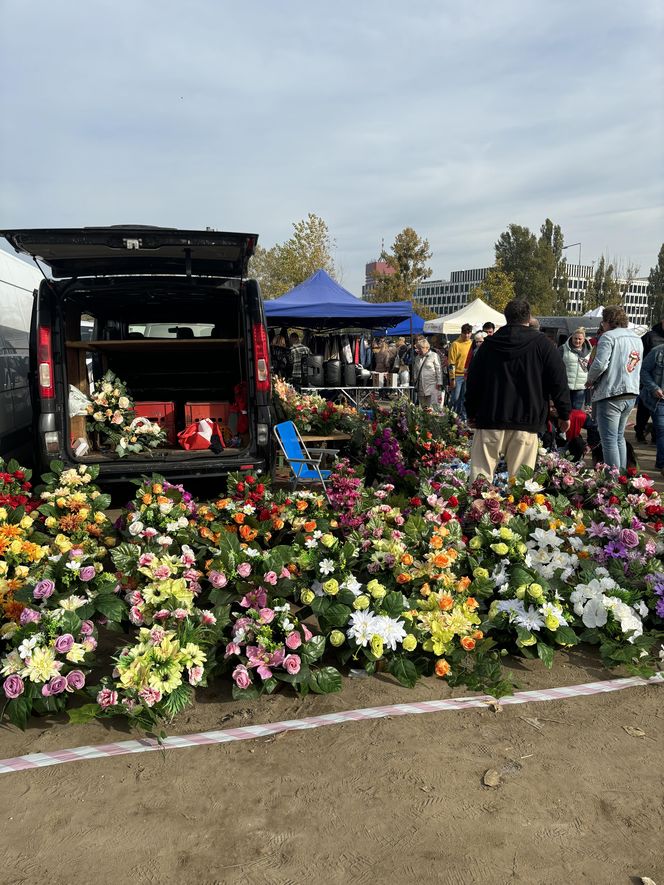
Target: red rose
(622, 480)
(240, 487)
(453, 501)
(614, 500)
(446, 516)
(416, 502)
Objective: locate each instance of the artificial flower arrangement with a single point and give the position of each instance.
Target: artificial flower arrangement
(15, 486)
(111, 417)
(22, 549)
(269, 646)
(49, 657)
(311, 413)
(73, 506)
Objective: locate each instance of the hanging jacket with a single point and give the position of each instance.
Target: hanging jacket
(615, 371)
(576, 363)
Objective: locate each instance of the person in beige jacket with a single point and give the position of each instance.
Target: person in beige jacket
(427, 375)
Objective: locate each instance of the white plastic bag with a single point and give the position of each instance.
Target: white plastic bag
(78, 402)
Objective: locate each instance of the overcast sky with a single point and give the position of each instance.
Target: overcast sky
(454, 118)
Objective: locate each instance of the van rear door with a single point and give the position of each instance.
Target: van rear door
(106, 251)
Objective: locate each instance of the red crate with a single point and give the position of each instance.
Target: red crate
(218, 412)
(161, 413)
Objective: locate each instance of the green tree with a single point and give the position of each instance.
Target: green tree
(408, 260)
(603, 289)
(534, 264)
(656, 290)
(287, 264)
(497, 288)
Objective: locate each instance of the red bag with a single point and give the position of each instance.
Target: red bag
(199, 435)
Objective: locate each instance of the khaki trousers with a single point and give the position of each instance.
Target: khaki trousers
(518, 446)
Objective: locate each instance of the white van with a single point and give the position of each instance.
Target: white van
(18, 282)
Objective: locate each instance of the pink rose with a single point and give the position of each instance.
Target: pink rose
(87, 573)
(57, 685)
(285, 573)
(208, 619)
(270, 578)
(293, 640)
(162, 572)
(157, 634)
(266, 615)
(218, 579)
(232, 648)
(145, 558)
(306, 632)
(629, 538)
(44, 589)
(75, 680)
(496, 517)
(134, 598)
(162, 615)
(136, 615)
(29, 616)
(292, 664)
(107, 698)
(241, 676)
(64, 643)
(149, 533)
(87, 628)
(13, 687)
(244, 570)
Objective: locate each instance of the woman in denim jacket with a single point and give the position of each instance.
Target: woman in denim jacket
(652, 397)
(614, 378)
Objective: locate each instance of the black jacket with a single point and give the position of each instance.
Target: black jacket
(511, 379)
(653, 338)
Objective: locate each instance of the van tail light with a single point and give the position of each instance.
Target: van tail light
(45, 362)
(261, 357)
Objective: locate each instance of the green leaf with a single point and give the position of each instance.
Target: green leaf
(57, 467)
(177, 700)
(393, 604)
(84, 713)
(270, 685)
(404, 670)
(244, 694)
(336, 615)
(566, 636)
(545, 654)
(18, 711)
(325, 681)
(312, 650)
(109, 605)
(70, 622)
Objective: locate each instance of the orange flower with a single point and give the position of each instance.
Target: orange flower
(232, 529)
(446, 602)
(277, 523)
(239, 518)
(247, 533)
(292, 568)
(436, 542)
(222, 503)
(442, 560)
(583, 554)
(462, 584)
(147, 498)
(425, 589)
(442, 668)
(468, 643)
(403, 578)
(478, 635)
(580, 529)
(522, 507)
(157, 488)
(310, 525)
(471, 603)
(406, 559)
(162, 499)
(301, 505)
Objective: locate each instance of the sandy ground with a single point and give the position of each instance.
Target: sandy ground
(397, 801)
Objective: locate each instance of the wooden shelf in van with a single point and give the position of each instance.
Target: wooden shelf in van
(153, 343)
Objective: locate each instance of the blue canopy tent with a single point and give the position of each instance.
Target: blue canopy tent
(321, 303)
(404, 328)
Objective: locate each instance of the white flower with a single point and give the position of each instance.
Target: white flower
(362, 627)
(390, 630)
(317, 588)
(11, 664)
(351, 583)
(136, 528)
(512, 606)
(73, 565)
(594, 612)
(25, 648)
(251, 552)
(71, 603)
(548, 608)
(326, 566)
(310, 544)
(530, 485)
(546, 537)
(530, 619)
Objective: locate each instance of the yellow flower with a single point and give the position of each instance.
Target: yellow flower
(409, 642)
(506, 534)
(552, 622)
(536, 591)
(99, 518)
(328, 540)
(51, 522)
(41, 667)
(307, 596)
(76, 653)
(361, 602)
(337, 638)
(377, 646)
(500, 549)
(538, 498)
(475, 543)
(480, 573)
(16, 546)
(26, 522)
(331, 587)
(3, 514)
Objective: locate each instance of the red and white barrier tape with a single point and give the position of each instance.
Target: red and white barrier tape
(206, 738)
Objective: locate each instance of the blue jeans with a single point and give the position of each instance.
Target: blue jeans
(458, 398)
(658, 424)
(611, 416)
(578, 398)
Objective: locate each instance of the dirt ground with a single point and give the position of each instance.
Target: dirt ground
(398, 800)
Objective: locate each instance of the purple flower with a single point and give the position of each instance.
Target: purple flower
(57, 685)
(218, 579)
(629, 538)
(87, 628)
(44, 589)
(75, 680)
(244, 570)
(87, 573)
(64, 643)
(29, 616)
(13, 687)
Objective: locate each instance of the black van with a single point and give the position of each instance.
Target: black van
(172, 314)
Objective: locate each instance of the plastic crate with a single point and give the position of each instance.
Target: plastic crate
(218, 412)
(161, 413)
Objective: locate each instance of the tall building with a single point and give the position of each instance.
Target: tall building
(447, 296)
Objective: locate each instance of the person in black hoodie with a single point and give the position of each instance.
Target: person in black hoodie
(510, 382)
(650, 340)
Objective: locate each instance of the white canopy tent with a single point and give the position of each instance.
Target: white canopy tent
(598, 311)
(476, 313)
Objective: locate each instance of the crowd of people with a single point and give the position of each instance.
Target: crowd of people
(516, 389)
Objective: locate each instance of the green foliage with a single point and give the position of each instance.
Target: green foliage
(286, 265)
(86, 713)
(603, 289)
(403, 670)
(408, 261)
(496, 289)
(177, 700)
(656, 289)
(325, 681)
(533, 264)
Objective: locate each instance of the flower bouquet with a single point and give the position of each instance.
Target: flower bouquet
(111, 419)
(73, 505)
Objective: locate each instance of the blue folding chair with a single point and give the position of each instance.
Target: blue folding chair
(304, 463)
